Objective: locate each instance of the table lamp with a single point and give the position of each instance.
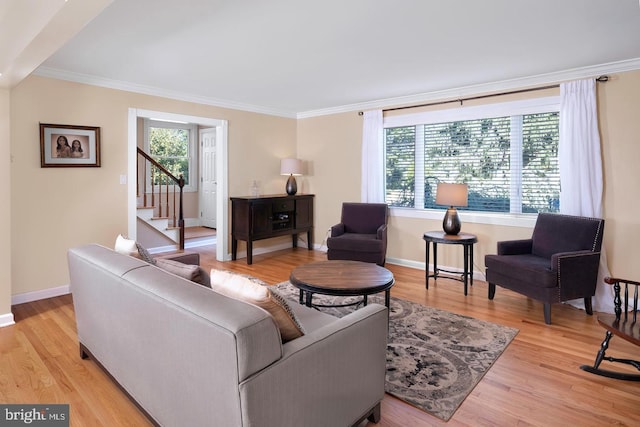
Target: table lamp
(451, 195)
(291, 167)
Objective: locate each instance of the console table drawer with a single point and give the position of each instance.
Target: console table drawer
(283, 206)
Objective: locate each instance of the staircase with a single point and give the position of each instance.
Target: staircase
(160, 206)
(162, 224)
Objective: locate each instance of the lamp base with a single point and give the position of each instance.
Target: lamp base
(292, 186)
(451, 223)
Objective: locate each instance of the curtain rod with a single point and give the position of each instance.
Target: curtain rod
(601, 79)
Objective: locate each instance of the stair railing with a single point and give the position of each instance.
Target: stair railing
(165, 178)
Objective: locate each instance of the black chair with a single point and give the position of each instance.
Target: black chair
(559, 263)
(361, 234)
(623, 324)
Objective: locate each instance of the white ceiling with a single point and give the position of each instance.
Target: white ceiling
(297, 57)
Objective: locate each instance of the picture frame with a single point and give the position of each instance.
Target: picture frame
(69, 146)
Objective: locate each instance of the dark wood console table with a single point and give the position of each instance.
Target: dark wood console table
(264, 217)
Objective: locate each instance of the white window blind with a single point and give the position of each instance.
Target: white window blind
(509, 162)
(400, 148)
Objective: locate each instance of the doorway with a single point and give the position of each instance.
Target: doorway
(220, 159)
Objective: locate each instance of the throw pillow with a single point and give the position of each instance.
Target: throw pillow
(132, 248)
(126, 246)
(144, 254)
(244, 289)
(187, 271)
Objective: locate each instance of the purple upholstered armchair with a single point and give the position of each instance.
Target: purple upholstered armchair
(361, 234)
(559, 263)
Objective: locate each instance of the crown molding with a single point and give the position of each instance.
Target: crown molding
(500, 86)
(461, 92)
(155, 91)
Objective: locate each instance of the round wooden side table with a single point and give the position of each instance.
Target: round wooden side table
(467, 241)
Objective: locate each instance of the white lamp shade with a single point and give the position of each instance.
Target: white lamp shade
(291, 167)
(451, 194)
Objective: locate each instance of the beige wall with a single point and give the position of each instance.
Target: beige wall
(5, 207)
(54, 209)
(331, 147)
(619, 106)
(333, 144)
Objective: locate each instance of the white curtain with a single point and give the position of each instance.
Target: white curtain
(372, 158)
(580, 162)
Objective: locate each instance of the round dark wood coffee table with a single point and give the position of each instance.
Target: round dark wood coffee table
(341, 278)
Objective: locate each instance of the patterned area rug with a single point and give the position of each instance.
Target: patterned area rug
(434, 358)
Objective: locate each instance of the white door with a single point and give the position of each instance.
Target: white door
(208, 183)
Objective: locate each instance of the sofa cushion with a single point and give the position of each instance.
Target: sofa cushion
(187, 271)
(356, 242)
(244, 289)
(527, 268)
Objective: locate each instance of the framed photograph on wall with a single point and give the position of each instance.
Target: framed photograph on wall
(69, 146)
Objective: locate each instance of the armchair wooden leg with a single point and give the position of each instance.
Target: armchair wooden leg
(587, 306)
(492, 290)
(547, 313)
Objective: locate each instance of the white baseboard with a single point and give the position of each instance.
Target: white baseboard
(200, 241)
(6, 320)
(192, 222)
(191, 243)
(477, 275)
(38, 295)
(405, 263)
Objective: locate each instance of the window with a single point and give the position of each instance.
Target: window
(506, 153)
(174, 146)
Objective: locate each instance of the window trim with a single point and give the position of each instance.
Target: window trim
(470, 217)
(510, 108)
(193, 148)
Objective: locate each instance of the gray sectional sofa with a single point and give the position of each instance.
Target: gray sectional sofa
(189, 356)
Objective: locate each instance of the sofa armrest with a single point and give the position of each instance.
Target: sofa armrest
(337, 230)
(515, 247)
(577, 273)
(332, 375)
(381, 233)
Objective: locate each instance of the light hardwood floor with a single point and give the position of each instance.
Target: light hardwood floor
(535, 382)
